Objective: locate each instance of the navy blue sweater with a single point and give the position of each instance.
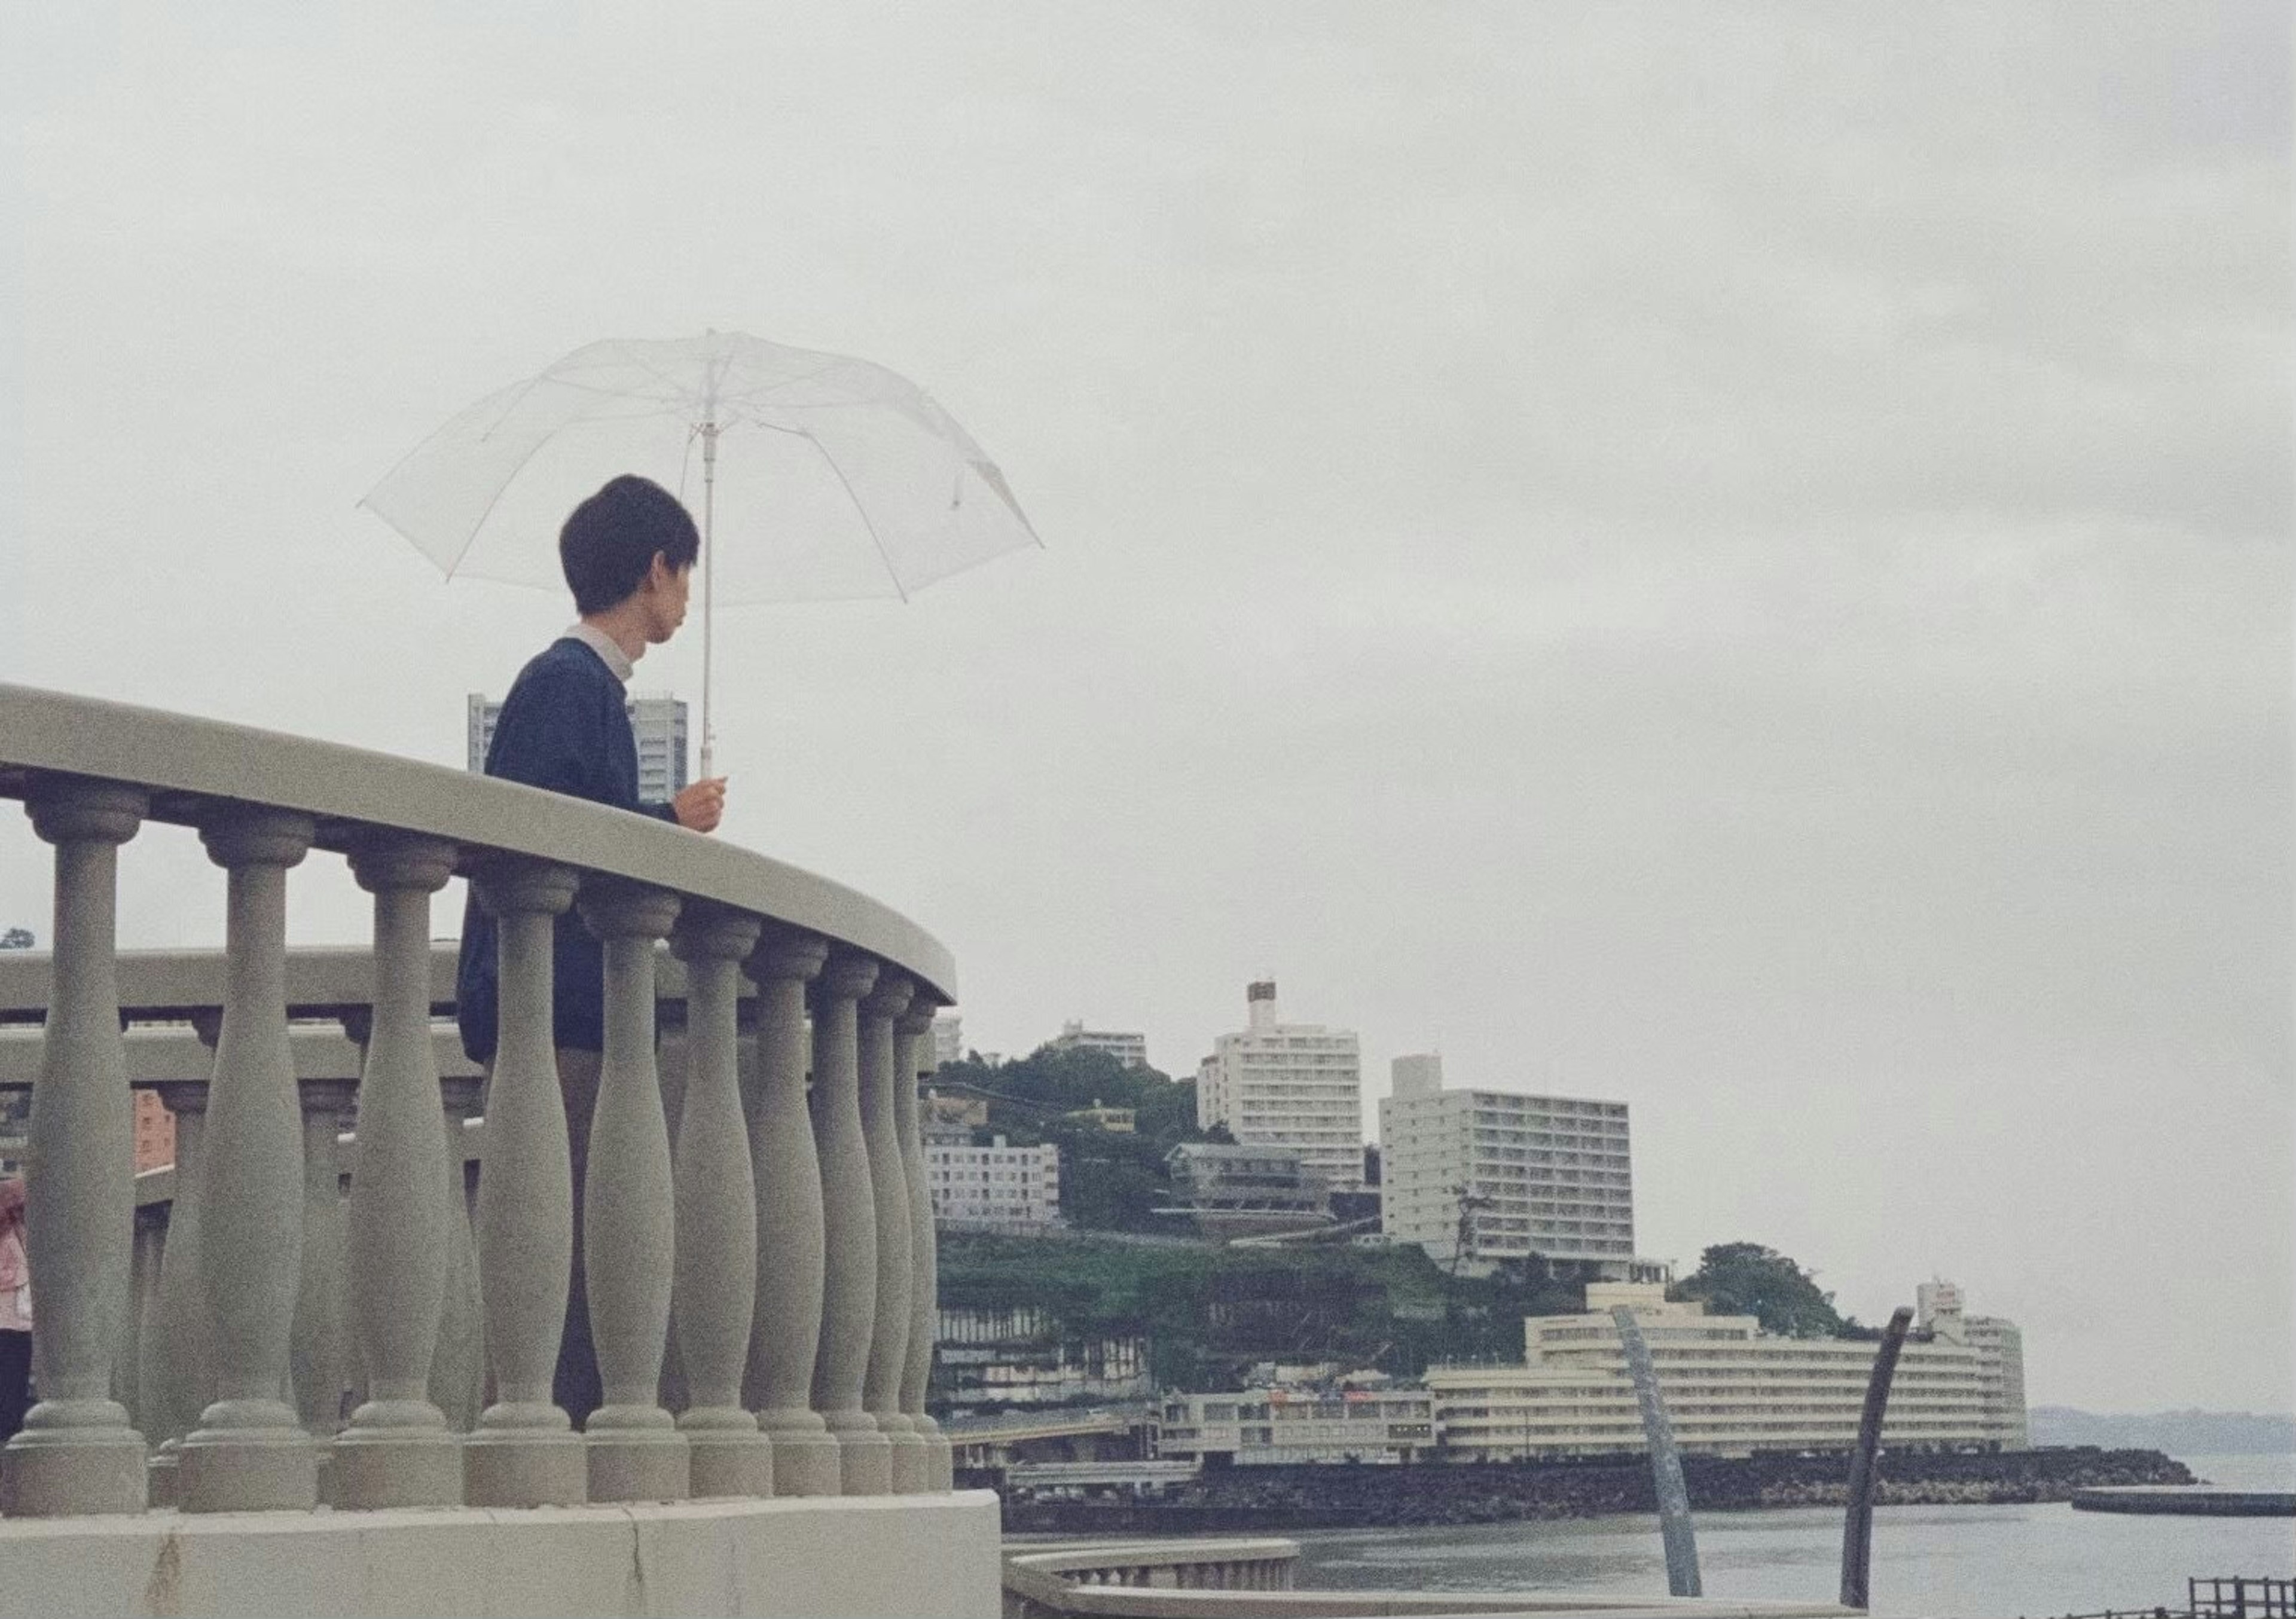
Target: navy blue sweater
(564, 726)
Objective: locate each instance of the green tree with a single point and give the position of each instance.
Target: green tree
(1747, 1279)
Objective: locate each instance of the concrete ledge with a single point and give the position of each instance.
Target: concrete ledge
(924, 1555)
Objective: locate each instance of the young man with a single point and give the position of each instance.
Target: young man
(629, 553)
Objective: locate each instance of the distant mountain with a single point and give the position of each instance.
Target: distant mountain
(2179, 1433)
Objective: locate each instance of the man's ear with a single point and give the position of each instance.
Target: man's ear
(658, 572)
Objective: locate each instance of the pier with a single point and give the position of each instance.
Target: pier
(2198, 1501)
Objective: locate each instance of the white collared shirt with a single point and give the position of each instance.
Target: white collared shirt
(616, 660)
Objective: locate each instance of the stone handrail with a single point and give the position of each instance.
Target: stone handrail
(755, 1272)
(1254, 1579)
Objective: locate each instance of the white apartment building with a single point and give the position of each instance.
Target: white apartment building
(657, 721)
(1130, 1050)
(1268, 1426)
(1288, 1084)
(997, 1185)
(1730, 1389)
(1936, 1309)
(1514, 1174)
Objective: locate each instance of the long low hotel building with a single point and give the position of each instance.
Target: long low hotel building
(1730, 1388)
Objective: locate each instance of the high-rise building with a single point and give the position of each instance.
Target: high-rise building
(1731, 1388)
(1130, 1050)
(657, 721)
(1479, 1176)
(947, 1038)
(1288, 1084)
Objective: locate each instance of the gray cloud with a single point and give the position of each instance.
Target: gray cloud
(1735, 560)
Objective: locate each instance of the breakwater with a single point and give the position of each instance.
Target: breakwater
(1262, 1498)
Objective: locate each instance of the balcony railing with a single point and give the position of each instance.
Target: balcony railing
(758, 1263)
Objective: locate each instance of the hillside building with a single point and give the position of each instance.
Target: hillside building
(1296, 1085)
(1128, 1049)
(993, 1187)
(1477, 1177)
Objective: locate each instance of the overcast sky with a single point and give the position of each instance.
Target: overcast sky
(1734, 558)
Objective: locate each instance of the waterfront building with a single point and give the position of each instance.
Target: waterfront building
(2000, 1346)
(1297, 1086)
(1731, 1389)
(657, 722)
(1130, 1050)
(1475, 1177)
(947, 1038)
(1023, 1356)
(1345, 1421)
(993, 1187)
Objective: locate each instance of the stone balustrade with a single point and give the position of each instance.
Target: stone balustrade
(1257, 1579)
(759, 1270)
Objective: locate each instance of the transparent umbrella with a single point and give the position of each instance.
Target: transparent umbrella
(840, 478)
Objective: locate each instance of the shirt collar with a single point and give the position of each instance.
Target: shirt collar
(617, 661)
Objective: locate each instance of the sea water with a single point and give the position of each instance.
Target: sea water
(1968, 1562)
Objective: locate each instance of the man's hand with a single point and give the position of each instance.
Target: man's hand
(701, 807)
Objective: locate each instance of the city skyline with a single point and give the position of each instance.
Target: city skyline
(1738, 565)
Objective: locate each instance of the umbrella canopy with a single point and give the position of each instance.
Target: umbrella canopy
(837, 478)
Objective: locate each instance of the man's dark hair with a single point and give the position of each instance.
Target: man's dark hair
(610, 541)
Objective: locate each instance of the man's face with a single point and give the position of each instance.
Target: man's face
(666, 591)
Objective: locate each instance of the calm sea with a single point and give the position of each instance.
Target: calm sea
(1963, 1562)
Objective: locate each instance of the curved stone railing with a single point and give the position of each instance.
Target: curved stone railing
(1254, 1579)
(777, 1260)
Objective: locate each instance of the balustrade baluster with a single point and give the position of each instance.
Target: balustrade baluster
(629, 1215)
(849, 1305)
(912, 1054)
(458, 1365)
(717, 1235)
(524, 1451)
(250, 1453)
(785, 1333)
(397, 1450)
(316, 1353)
(174, 1374)
(888, 1181)
(77, 1452)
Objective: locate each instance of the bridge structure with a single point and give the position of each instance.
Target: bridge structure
(309, 1367)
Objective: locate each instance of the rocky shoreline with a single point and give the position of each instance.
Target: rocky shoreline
(1246, 1500)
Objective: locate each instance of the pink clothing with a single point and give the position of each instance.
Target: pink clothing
(16, 1282)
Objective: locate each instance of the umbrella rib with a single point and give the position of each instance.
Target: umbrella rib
(493, 501)
(861, 511)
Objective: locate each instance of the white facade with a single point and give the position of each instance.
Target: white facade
(1549, 1175)
(1730, 1389)
(994, 1185)
(1998, 1343)
(1130, 1050)
(1288, 1084)
(657, 722)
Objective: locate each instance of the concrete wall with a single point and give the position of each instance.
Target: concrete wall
(926, 1555)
